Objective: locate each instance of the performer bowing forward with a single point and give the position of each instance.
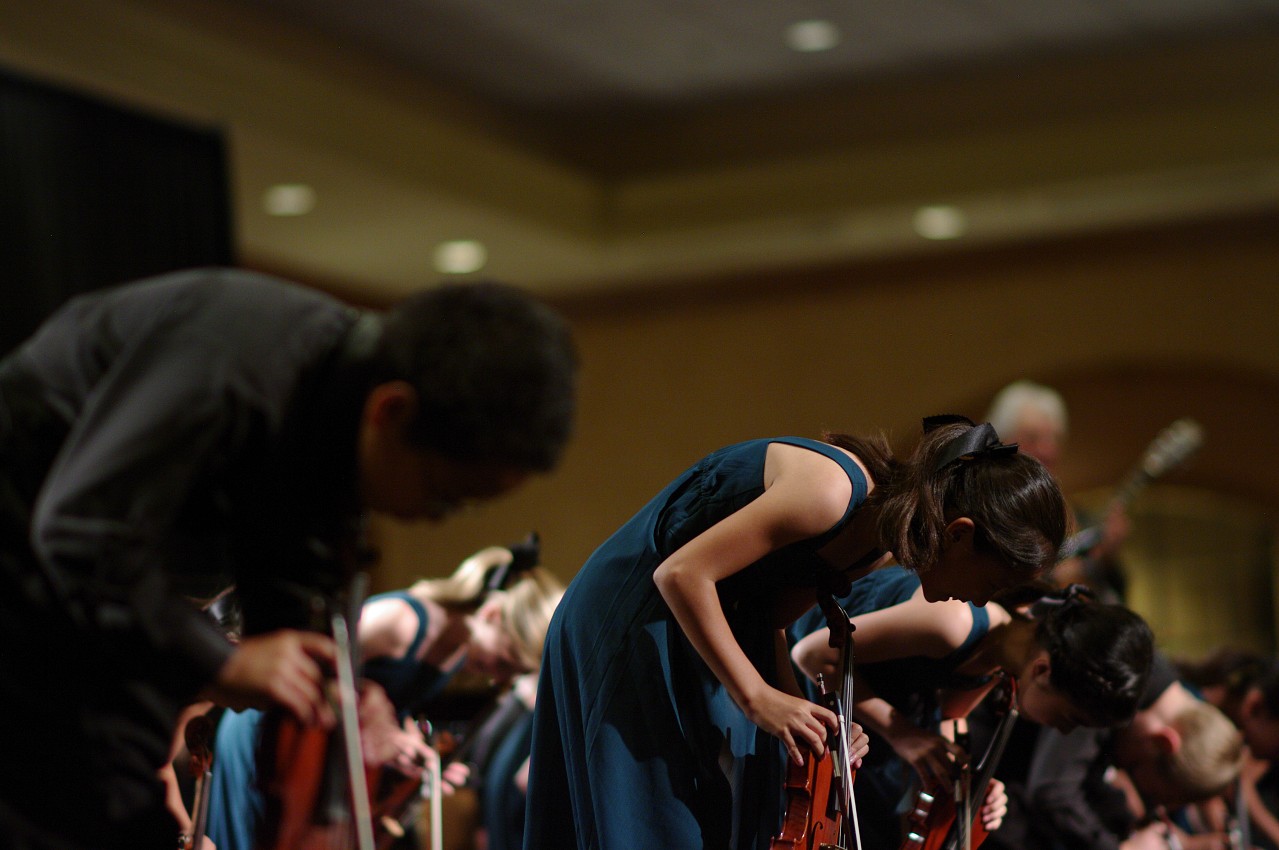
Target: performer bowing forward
(167, 438)
(666, 684)
(1074, 662)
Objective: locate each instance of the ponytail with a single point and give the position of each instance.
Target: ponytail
(466, 588)
(959, 469)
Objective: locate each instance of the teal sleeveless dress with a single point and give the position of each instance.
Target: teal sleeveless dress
(636, 743)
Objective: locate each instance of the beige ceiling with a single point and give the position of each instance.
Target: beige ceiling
(602, 143)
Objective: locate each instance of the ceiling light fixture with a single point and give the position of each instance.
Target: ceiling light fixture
(460, 256)
(940, 222)
(812, 36)
(289, 199)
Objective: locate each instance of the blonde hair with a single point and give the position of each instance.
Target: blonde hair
(464, 590)
(1211, 751)
(526, 604)
(527, 607)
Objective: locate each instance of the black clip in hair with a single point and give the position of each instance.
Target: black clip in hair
(1068, 596)
(525, 555)
(979, 441)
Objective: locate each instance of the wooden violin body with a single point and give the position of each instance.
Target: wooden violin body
(309, 800)
(297, 786)
(952, 820)
(819, 804)
(393, 810)
(198, 735)
(315, 781)
(932, 825)
(813, 817)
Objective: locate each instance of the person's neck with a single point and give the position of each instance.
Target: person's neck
(1008, 645)
(446, 644)
(856, 546)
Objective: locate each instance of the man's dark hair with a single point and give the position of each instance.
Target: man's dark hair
(494, 370)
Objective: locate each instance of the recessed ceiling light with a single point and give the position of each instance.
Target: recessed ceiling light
(460, 256)
(940, 222)
(812, 36)
(289, 199)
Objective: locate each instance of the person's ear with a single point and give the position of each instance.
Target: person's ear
(491, 610)
(390, 404)
(1252, 706)
(959, 529)
(1167, 740)
(1041, 668)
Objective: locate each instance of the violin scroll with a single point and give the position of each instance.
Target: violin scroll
(820, 808)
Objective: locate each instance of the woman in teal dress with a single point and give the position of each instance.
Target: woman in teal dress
(488, 617)
(1075, 662)
(666, 683)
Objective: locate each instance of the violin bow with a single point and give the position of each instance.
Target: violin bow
(975, 794)
(841, 625)
(199, 738)
(437, 804)
(351, 733)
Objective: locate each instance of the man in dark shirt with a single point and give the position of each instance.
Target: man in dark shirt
(164, 439)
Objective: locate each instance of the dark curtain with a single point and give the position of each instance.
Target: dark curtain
(93, 195)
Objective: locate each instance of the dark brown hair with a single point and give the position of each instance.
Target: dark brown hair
(1016, 505)
(1100, 654)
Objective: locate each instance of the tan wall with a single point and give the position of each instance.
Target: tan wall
(1135, 329)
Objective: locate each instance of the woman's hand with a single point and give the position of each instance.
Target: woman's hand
(382, 739)
(995, 806)
(1152, 837)
(858, 745)
(798, 723)
(415, 757)
(933, 757)
(455, 776)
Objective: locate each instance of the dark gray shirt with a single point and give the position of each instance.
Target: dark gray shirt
(200, 429)
(175, 395)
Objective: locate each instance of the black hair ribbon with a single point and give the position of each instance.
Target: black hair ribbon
(978, 441)
(525, 555)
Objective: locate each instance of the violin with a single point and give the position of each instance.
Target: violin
(198, 736)
(819, 793)
(952, 821)
(396, 800)
(315, 782)
(319, 792)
